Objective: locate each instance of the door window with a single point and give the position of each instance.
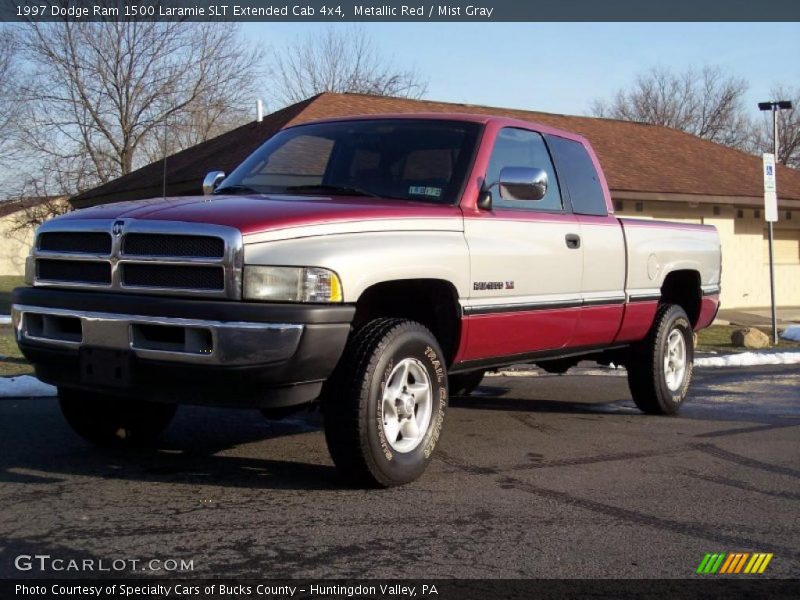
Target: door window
(522, 148)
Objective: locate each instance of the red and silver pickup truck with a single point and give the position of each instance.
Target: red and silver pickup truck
(374, 266)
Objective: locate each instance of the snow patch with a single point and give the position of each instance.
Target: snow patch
(792, 332)
(5, 320)
(749, 359)
(24, 386)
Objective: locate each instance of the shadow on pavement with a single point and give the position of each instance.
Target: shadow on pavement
(37, 446)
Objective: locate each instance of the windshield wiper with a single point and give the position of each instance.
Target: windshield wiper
(236, 189)
(332, 189)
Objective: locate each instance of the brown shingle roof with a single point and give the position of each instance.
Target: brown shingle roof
(9, 207)
(636, 157)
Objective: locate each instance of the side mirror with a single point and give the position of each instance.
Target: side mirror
(522, 183)
(212, 181)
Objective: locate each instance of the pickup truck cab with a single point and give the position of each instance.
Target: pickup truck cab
(374, 266)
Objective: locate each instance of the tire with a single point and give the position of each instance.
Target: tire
(464, 384)
(392, 373)
(660, 367)
(112, 421)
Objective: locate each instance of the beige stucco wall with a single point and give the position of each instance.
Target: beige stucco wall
(14, 246)
(745, 262)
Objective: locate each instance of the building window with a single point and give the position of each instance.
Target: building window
(640, 207)
(619, 205)
(786, 246)
(716, 210)
(757, 214)
(788, 215)
(740, 214)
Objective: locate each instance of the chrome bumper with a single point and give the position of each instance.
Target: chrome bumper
(192, 341)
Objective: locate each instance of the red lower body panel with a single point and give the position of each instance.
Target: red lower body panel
(708, 310)
(502, 334)
(505, 334)
(598, 325)
(636, 321)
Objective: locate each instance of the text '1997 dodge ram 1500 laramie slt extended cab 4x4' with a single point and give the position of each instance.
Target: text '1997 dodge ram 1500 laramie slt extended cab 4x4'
(374, 266)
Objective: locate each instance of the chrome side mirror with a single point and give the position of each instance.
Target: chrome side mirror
(522, 183)
(212, 181)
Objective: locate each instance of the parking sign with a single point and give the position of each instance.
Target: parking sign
(770, 189)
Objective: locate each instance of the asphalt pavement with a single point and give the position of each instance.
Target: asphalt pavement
(543, 476)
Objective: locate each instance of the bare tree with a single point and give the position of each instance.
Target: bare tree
(788, 128)
(103, 94)
(8, 91)
(340, 60)
(705, 102)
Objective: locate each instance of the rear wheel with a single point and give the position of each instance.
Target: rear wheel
(660, 368)
(385, 405)
(464, 384)
(113, 421)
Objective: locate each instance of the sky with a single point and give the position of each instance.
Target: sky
(563, 67)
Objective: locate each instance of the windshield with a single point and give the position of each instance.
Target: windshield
(406, 159)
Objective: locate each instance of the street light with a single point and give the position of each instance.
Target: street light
(774, 106)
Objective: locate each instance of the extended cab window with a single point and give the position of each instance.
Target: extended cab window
(522, 148)
(578, 176)
(406, 159)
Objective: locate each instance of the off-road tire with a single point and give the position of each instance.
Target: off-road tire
(464, 384)
(113, 421)
(647, 371)
(353, 403)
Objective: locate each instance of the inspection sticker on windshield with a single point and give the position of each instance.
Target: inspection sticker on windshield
(421, 190)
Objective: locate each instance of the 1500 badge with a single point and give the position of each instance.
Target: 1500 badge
(493, 285)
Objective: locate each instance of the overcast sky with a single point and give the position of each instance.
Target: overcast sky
(562, 67)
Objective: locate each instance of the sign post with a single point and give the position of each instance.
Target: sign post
(771, 216)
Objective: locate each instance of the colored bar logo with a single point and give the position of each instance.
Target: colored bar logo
(734, 563)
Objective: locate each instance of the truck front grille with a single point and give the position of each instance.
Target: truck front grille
(76, 242)
(74, 271)
(173, 276)
(145, 257)
(150, 244)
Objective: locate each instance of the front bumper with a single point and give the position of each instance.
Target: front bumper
(178, 350)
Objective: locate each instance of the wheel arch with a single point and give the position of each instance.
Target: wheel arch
(431, 302)
(683, 287)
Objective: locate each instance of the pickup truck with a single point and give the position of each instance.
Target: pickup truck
(372, 266)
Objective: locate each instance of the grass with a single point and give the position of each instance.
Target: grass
(11, 360)
(8, 283)
(718, 338)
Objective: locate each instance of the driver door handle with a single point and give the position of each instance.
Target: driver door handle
(573, 241)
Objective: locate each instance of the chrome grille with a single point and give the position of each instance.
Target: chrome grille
(150, 257)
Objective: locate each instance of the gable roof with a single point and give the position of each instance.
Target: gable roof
(9, 207)
(636, 157)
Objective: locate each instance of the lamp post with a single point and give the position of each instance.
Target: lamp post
(774, 106)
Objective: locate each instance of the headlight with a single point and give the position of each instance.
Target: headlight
(291, 284)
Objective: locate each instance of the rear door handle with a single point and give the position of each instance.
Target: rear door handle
(573, 241)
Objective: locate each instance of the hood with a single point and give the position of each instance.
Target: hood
(256, 214)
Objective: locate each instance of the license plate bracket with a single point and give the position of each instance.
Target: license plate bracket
(106, 367)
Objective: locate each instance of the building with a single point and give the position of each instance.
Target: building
(16, 234)
(653, 172)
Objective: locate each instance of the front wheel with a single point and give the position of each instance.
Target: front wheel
(384, 407)
(660, 367)
(112, 421)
